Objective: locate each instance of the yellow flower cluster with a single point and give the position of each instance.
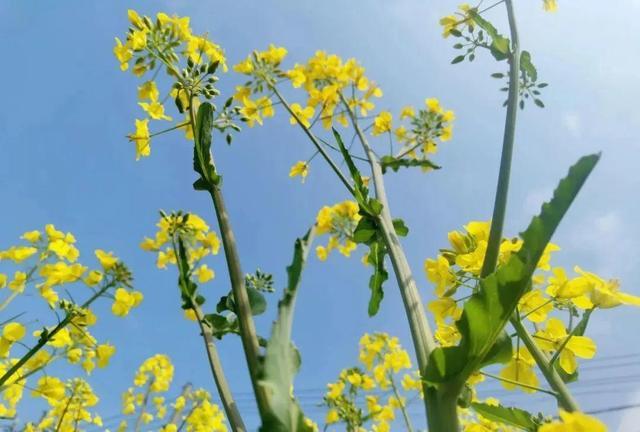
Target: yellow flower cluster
(324, 77)
(452, 22)
(70, 403)
(426, 126)
(383, 359)
(552, 290)
(154, 377)
(145, 403)
(574, 422)
(161, 43)
(339, 222)
(47, 261)
(196, 236)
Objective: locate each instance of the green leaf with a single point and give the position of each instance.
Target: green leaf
(499, 44)
(457, 59)
(487, 311)
(361, 192)
(187, 286)
(202, 163)
(400, 227)
(281, 360)
(365, 230)
(395, 164)
(511, 416)
(527, 66)
(377, 252)
(500, 352)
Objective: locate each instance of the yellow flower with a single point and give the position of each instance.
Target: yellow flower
(211, 241)
(155, 110)
(148, 90)
(297, 75)
(107, 259)
(448, 116)
(520, 370)
(332, 416)
(11, 333)
(123, 54)
(321, 253)
(245, 66)
(3, 280)
(301, 115)
(204, 274)
(93, 278)
(439, 272)
(141, 138)
(447, 335)
(574, 422)
(550, 5)
(251, 112)
(555, 336)
(138, 40)
(382, 123)
(135, 19)
(407, 112)
(124, 301)
(446, 133)
(104, 352)
(335, 390)
(433, 105)
(301, 168)
(273, 55)
(32, 236)
(18, 254)
(575, 289)
(535, 306)
(19, 281)
(443, 308)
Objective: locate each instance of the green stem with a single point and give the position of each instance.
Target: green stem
(518, 383)
(403, 408)
(50, 335)
(243, 308)
(564, 397)
(230, 406)
(315, 142)
(500, 205)
(421, 334)
(442, 407)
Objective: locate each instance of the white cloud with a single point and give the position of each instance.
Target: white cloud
(572, 121)
(609, 239)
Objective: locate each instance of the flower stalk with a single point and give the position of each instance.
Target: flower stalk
(243, 308)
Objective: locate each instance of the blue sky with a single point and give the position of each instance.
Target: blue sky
(67, 108)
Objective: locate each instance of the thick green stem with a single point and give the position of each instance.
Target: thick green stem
(565, 399)
(442, 408)
(243, 308)
(421, 333)
(563, 395)
(500, 205)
